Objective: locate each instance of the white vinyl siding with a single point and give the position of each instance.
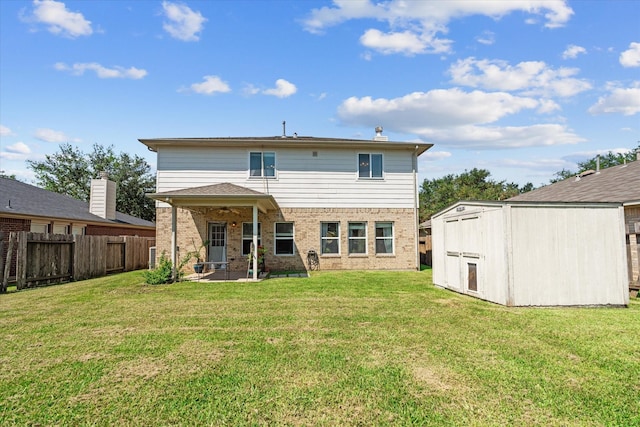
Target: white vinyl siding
(327, 180)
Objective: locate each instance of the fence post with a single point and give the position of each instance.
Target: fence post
(6, 263)
(21, 260)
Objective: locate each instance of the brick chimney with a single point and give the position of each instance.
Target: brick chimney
(102, 201)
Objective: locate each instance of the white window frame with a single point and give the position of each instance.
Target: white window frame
(392, 238)
(249, 238)
(369, 164)
(351, 239)
(324, 239)
(262, 165)
(277, 238)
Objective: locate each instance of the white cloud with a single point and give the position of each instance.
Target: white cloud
(50, 135)
(572, 51)
(487, 37)
(17, 151)
(530, 77)
(457, 118)
(416, 26)
(250, 90)
(5, 131)
(59, 20)
(631, 56)
(625, 101)
(283, 89)
(102, 72)
(210, 86)
(183, 23)
(435, 155)
(406, 42)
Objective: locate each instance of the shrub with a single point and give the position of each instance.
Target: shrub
(161, 274)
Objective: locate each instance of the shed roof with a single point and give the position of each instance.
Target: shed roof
(21, 199)
(614, 184)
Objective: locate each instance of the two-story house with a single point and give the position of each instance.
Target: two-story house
(354, 203)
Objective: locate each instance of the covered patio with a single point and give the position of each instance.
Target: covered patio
(206, 216)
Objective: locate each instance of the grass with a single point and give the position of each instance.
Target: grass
(339, 348)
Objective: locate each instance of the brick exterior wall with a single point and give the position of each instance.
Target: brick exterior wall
(8, 225)
(192, 226)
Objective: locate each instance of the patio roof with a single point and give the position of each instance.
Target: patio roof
(218, 195)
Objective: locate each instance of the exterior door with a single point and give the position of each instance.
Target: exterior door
(217, 242)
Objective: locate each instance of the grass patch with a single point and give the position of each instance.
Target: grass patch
(338, 348)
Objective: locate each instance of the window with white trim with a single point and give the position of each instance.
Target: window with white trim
(262, 164)
(284, 238)
(384, 237)
(357, 238)
(247, 237)
(369, 165)
(39, 227)
(330, 238)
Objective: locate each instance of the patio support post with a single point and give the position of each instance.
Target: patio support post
(174, 242)
(255, 242)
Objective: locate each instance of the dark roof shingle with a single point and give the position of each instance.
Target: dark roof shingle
(614, 184)
(18, 198)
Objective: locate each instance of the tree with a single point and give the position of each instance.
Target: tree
(606, 161)
(70, 172)
(437, 194)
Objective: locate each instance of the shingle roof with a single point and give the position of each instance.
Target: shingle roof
(223, 189)
(615, 184)
(18, 198)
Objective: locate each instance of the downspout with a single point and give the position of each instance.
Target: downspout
(416, 208)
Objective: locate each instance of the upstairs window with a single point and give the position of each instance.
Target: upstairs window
(369, 165)
(262, 164)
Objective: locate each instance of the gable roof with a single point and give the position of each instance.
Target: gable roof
(20, 199)
(285, 142)
(614, 184)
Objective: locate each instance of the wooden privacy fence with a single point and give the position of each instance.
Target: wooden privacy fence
(43, 259)
(425, 250)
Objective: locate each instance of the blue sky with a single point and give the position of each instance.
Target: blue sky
(521, 88)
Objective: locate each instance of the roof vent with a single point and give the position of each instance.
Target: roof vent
(379, 136)
(586, 173)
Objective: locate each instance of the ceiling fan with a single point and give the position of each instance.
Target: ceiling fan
(226, 210)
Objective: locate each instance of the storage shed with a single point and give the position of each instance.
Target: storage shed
(532, 254)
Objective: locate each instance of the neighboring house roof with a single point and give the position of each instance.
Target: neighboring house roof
(614, 184)
(217, 195)
(20, 199)
(286, 141)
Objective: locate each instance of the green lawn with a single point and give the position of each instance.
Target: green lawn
(339, 348)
